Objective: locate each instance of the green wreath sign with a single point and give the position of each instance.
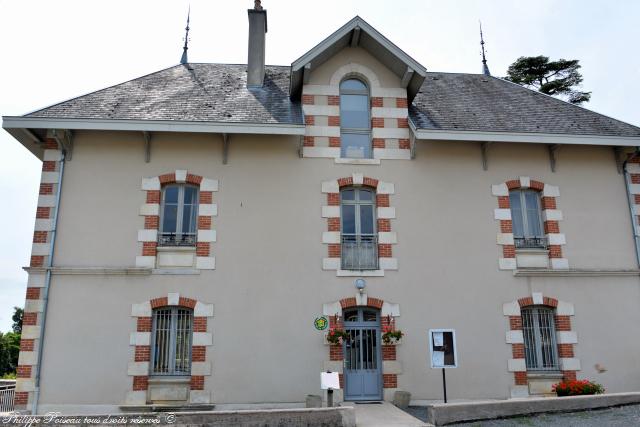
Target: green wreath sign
(321, 323)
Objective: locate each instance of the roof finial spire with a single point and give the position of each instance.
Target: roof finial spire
(485, 67)
(184, 60)
(257, 5)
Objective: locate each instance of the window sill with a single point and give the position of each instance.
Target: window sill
(168, 248)
(347, 161)
(168, 379)
(360, 273)
(544, 375)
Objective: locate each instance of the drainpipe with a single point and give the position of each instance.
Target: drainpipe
(47, 280)
(630, 199)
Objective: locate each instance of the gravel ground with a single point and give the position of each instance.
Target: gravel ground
(612, 417)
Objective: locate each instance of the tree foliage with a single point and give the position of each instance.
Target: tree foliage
(10, 345)
(17, 320)
(556, 78)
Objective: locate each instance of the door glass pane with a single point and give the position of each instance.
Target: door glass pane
(169, 218)
(516, 213)
(533, 214)
(171, 194)
(355, 146)
(190, 195)
(351, 316)
(370, 315)
(348, 219)
(348, 194)
(354, 111)
(365, 195)
(366, 219)
(187, 221)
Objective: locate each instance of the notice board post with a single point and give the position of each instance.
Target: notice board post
(443, 351)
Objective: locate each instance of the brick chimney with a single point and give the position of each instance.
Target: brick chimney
(257, 31)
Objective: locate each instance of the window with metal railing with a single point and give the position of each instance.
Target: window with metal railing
(526, 216)
(538, 328)
(179, 215)
(359, 239)
(171, 341)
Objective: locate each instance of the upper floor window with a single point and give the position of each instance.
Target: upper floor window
(526, 216)
(179, 215)
(172, 332)
(538, 328)
(359, 239)
(355, 123)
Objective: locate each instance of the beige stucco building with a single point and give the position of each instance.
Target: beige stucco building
(194, 223)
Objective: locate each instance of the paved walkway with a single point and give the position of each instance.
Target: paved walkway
(384, 415)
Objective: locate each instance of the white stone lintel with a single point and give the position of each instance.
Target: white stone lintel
(505, 238)
(140, 338)
(142, 309)
(146, 261)
(331, 263)
(203, 310)
(151, 184)
(331, 308)
(552, 215)
(331, 186)
(208, 184)
(331, 212)
(514, 337)
(208, 209)
(358, 178)
(500, 190)
(556, 239)
(207, 235)
(389, 237)
(525, 182)
(569, 364)
(386, 213)
(537, 298)
(511, 308)
(150, 209)
(567, 337)
(502, 214)
(202, 338)
(550, 191)
(559, 263)
(385, 188)
(388, 263)
(390, 309)
(517, 365)
(181, 176)
(507, 264)
(331, 237)
(173, 298)
(205, 263)
(565, 309)
(147, 235)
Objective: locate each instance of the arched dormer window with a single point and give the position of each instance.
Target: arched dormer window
(528, 232)
(359, 236)
(179, 215)
(355, 121)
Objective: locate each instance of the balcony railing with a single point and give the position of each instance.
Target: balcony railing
(176, 239)
(530, 242)
(359, 252)
(7, 393)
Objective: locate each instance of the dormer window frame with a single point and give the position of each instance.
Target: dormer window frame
(359, 131)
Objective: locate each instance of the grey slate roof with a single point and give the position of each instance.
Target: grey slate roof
(475, 102)
(446, 101)
(189, 92)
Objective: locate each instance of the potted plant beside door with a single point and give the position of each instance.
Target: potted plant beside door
(336, 336)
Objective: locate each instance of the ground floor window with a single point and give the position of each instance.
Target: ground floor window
(539, 332)
(172, 332)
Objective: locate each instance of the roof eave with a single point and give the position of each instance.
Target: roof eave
(523, 137)
(398, 55)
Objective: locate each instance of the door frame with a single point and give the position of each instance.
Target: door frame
(361, 324)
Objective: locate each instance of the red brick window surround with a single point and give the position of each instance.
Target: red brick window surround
(140, 340)
(384, 216)
(390, 133)
(40, 250)
(150, 211)
(389, 313)
(512, 259)
(566, 339)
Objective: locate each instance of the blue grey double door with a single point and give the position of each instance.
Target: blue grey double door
(362, 355)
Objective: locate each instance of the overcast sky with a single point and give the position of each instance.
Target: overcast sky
(52, 51)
